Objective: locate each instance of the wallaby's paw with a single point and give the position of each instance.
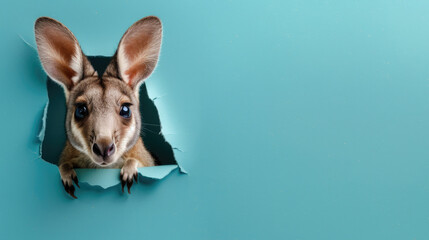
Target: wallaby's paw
(68, 177)
(129, 174)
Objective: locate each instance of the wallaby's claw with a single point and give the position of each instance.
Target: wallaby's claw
(76, 181)
(128, 176)
(68, 176)
(69, 189)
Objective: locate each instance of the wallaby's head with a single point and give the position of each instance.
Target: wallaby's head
(103, 118)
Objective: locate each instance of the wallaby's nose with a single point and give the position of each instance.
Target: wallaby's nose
(103, 149)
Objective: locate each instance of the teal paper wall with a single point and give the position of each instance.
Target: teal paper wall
(295, 120)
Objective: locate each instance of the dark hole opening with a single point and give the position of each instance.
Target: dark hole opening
(55, 134)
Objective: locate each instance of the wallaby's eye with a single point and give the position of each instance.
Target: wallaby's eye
(125, 111)
(81, 111)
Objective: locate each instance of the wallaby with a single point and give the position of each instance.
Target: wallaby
(103, 120)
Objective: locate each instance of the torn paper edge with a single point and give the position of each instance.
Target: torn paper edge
(159, 100)
(110, 177)
(41, 135)
(88, 175)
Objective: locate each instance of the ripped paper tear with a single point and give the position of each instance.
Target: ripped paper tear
(106, 178)
(41, 135)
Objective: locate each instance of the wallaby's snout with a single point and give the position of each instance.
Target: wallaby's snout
(104, 148)
(103, 125)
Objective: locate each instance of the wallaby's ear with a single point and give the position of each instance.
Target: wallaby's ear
(137, 52)
(60, 53)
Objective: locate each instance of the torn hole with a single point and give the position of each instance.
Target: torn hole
(53, 135)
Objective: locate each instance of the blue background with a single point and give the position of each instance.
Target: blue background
(297, 120)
